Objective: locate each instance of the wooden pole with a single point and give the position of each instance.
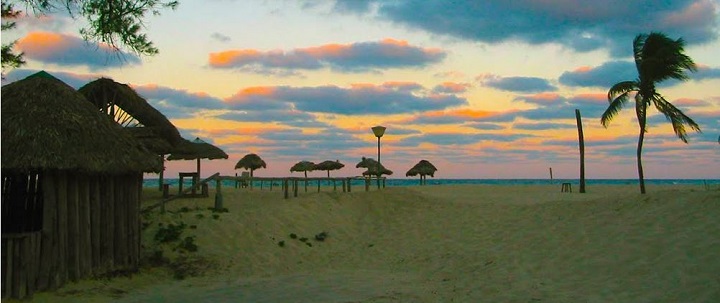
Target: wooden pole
(162, 172)
(551, 177)
(218, 194)
(285, 185)
(581, 138)
(73, 228)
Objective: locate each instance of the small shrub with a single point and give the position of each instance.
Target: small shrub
(321, 236)
(188, 244)
(293, 236)
(199, 216)
(170, 233)
(216, 216)
(303, 239)
(281, 243)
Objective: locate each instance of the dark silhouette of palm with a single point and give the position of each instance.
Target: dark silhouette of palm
(657, 58)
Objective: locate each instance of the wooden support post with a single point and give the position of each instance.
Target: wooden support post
(295, 187)
(318, 181)
(73, 229)
(367, 184)
(349, 181)
(285, 185)
(581, 138)
(62, 229)
(218, 194)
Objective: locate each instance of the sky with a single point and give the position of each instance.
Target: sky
(481, 89)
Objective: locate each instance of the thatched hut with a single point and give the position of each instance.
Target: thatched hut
(72, 182)
(423, 168)
(329, 165)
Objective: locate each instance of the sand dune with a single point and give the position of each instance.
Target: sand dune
(468, 243)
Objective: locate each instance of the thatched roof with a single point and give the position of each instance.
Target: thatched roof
(422, 168)
(104, 93)
(303, 166)
(46, 124)
(251, 162)
(366, 162)
(329, 165)
(196, 149)
(373, 170)
(150, 139)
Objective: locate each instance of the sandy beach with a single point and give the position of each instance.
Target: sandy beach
(469, 243)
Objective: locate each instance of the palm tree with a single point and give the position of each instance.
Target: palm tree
(657, 58)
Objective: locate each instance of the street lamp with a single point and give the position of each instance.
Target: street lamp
(379, 131)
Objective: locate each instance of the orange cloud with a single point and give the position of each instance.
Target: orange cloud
(227, 58)
(258, 91)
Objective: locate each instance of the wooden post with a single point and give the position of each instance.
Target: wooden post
(162, 172)
(349, 181)
(49, 252)
(285, 185)
(318, 181)
(551, 177)
(120, 223)
(95, 223)
(295, 187)
(581, 138)
(218, 194)
(108, 232)
(134, 220)
(73, 228)
(84, 226)
(62, 229)
(367, 184)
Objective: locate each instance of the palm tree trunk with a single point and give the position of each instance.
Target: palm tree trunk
(306, 181)
(642, 120)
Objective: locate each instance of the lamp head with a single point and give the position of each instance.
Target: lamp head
(379, 131)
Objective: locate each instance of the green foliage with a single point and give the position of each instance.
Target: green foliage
(657, 58)
(169, 233)
(117, 23)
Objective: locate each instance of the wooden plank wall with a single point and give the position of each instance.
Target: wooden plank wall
(91, 227)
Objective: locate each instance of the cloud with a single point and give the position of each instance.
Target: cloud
(71, 51)
(542, 126)
(705, 72)
(451, 88)
(356, 100)
(578, 25)
(452, 139)
(220, 37)
(179, 97)
(552, 106)
(516, 84)
(604, 76)
(455, 116)
(355, 57)
(286, 117)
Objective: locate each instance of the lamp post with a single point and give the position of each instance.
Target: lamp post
(379, 131)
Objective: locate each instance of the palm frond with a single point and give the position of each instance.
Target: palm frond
(677, 118)
(618, 96)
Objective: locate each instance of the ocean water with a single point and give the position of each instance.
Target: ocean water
(430, 181)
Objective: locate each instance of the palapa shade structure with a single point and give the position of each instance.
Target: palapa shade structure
(371, 166)
(131, 110)
(251, 162)
(303, 166)
(422, 168)
(72, 185)
(46, 124)
(196, 150)
(329, 165)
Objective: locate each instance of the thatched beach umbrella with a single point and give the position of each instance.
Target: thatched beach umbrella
(377, 170)
(196, 150)
(251, 162)
(303, 166)
(329, 165)
(422, 168)
(46, 124)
